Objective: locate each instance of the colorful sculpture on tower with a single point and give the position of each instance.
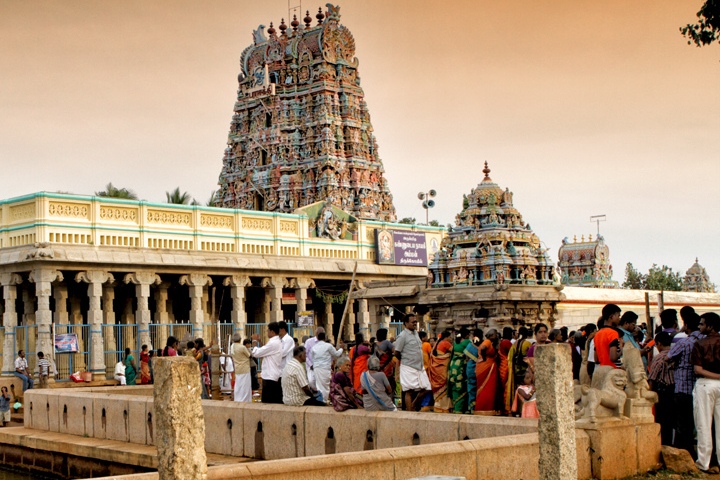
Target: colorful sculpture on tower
(585, 263)
(301, 130)
(490, 244)
(697, 280)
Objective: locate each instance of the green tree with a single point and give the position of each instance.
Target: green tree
(177, 197)
(663, 278)
(211, 201)
(114, 192)
(633, 278)
(707, 29)
(434, 223)
(408, 220)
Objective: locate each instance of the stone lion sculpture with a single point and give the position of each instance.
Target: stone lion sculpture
(637, 386)
(605, 397)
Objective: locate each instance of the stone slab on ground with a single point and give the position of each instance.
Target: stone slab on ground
(613, 447)
(678, 460)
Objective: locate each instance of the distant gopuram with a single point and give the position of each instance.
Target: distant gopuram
(301, 131)
(586, 263)
(697, 280)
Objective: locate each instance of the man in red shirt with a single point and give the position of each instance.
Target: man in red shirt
(608, 341)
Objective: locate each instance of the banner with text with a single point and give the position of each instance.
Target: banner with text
(401, 247)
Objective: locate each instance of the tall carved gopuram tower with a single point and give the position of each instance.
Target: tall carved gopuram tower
(301, 131)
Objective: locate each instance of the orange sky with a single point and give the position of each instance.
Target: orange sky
(580, 107)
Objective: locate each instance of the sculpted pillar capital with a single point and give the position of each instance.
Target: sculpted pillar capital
(274, 282)
(43, 275)
(196, 280)
(302, 282)
(143, 278)
(94, 276)
(237, 281)
(10, 279)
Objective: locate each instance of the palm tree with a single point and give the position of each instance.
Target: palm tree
(178, 198)
(114, 192)
(211, 201)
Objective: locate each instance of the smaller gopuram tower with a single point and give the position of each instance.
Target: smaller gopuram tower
(586, 263)
(491, 243)
(301, 131)
(697, 280)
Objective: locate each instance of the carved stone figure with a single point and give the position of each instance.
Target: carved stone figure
(605, 397)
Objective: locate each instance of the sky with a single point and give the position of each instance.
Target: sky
(580, 107)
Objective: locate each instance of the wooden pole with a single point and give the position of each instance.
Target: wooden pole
(650, 322)
(347, 303)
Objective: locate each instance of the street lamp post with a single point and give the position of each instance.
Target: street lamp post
(427, 203)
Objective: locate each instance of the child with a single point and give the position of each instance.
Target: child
(661, 380)
(525, 394)
(43, 369)
(5, 406)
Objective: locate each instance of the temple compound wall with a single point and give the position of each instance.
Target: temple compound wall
(123, 273)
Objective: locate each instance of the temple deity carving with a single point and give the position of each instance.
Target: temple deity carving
(301, 132)
(585, 263)
(491, 244)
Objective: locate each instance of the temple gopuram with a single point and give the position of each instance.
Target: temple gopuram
(586, 263)
(301, 130)
(489, 271)
(697, 280)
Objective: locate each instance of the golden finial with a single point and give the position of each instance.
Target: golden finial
(590, 238)
(574, 238)
(486, 171)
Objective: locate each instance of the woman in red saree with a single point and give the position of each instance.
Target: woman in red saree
(359, 355)
(488, 378)
(503, 367)
(438, 372)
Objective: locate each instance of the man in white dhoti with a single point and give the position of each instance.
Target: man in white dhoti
(241, 361)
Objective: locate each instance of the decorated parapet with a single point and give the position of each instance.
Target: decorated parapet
(301, 130)
(586, 263)
(491, 244)
(697, 280)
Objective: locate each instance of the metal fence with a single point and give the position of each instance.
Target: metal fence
(26, 339)
(159, 333)
(394, 329)
(115, 339)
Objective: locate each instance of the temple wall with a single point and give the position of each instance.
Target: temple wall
(584, 305)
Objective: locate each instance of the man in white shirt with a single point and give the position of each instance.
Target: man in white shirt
(120, 373)
(22, 372)
(288, 344)
(296, 390)
(271, 353)
(309, 344)
(323, 355)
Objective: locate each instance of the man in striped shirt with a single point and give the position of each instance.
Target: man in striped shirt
(295, 388)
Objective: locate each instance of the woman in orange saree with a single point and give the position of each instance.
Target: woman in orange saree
(488, 378)
(438, 372)
(359, 356)
(503, 367)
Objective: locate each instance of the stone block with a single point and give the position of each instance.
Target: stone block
(351, 431)
(582, 444)
(502, 458)
(678, 460)
(648, 447)
(405, 429)
(272, 433)
(41, 406)
(137, 420)
(479, 426)
(456, 459)
(76, 414)
(613, 448)
(224, 421)
(111, 417)
(179, 419)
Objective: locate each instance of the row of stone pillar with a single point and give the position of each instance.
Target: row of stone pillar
(100, 312)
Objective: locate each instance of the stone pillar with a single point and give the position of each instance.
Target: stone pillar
(161, 313)
(108, 326)
(28, 308)
(555, 401)
(273, 290)
(9, 282)
(95, 280)
(349, 326)
(301, 285)
(196, 282)
(238, 316)
(329, 320)
(179, 419)
(142, 282)
(43, 279)
(60, 294)
(363, 317)
(76, 323)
